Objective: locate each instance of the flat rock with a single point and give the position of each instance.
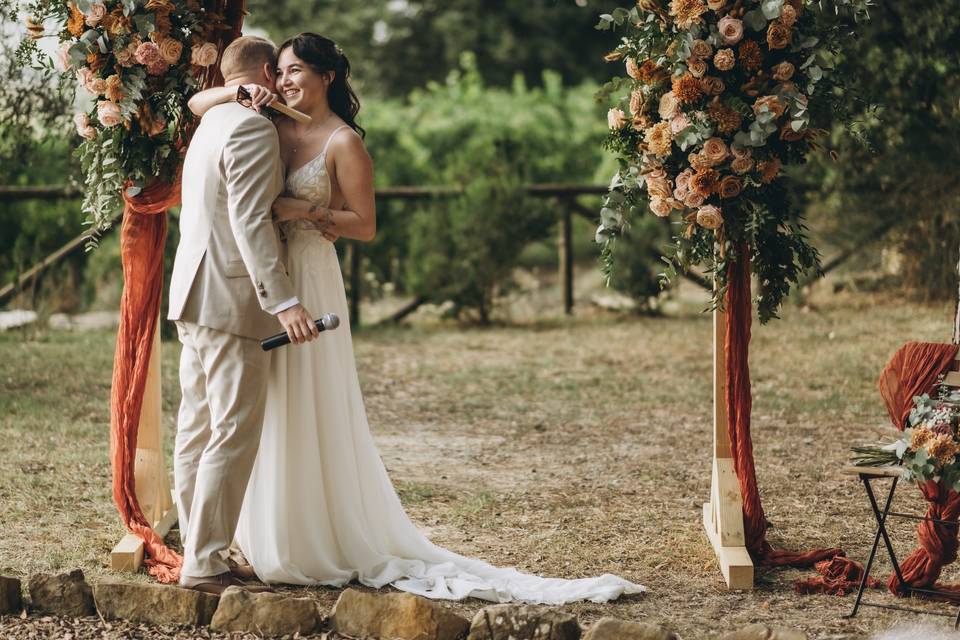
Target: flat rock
(10, 600)
(92, 321)
(67, 594)
(763, 632)
(523, 622)
(401, 616)
(613, 629)
(266, 614)
(153, 603)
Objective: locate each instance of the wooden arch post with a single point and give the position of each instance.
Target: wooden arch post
(150, 471)
(723, 515)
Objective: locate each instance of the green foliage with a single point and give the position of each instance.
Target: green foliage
(906, 61)
(489, 141)
(398, 46)
(636, 267)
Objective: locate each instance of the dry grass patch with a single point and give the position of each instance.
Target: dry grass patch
(565, 449)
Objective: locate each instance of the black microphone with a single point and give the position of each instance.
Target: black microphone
(327, 322)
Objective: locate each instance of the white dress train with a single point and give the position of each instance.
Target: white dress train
(320, 508)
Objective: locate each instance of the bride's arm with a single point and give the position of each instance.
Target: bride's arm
(203, 101)
(354, 173)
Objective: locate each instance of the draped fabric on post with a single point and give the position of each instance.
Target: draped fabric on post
(911, 372)
(739, 313)
(141, 250)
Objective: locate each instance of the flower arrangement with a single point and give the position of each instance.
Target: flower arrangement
(136, 63)
(720, 96)
(928, 448)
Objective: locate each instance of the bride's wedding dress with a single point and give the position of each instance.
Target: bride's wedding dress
(320, 508)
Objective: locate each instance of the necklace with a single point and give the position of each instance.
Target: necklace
(300, 136)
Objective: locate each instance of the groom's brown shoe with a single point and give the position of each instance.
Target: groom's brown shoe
(215, 585)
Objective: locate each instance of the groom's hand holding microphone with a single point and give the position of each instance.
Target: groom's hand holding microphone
(298, 323)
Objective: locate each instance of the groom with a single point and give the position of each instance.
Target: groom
(229, 290)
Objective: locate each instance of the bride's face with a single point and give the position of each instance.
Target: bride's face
(300, 86)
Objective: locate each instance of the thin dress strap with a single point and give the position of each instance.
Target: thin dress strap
(330, 138)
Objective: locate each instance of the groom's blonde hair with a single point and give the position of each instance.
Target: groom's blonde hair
(247, 54)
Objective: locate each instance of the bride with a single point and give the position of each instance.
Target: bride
(320, 508)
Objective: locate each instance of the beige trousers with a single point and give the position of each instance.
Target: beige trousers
(224, 382)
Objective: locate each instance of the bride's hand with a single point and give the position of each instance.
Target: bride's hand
(260, 96)
(285, 208)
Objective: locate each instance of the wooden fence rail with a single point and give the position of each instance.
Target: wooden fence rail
(565, 196)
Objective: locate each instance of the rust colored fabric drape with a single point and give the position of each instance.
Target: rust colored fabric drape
(141, 252)
(739, 404)
(141, 249)
(911, 372)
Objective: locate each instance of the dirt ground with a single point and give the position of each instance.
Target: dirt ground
(564, 448)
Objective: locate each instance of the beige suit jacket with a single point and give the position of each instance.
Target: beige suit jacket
(229, 268)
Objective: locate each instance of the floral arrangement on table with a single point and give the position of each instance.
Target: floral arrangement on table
(720, 96)
(136, 63)
(928, 448)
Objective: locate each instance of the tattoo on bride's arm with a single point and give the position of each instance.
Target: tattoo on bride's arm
(323, 216)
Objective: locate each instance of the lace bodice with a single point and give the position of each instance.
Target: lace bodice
(312, 183)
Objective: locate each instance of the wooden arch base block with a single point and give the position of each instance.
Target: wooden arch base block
(723, 515)
(127, 556)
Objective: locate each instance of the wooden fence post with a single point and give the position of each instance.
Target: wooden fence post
(565, 246)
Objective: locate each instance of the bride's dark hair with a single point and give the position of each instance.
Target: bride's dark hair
(322, 55)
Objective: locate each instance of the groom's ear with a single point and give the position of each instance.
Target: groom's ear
(270, 72)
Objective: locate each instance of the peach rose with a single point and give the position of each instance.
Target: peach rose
(171, 50)
(616, 119)
(114, 88)
(740, 152)
(716, 5)
(658, 184)
(731, 29)
(148, 53)
(680, 193)
(712, 86)
(742, 165)
(697, 66)
(683, 178)
(84, 128)
(701, 49)
(97, 86)
(693, 200)
(126, 56)
(709, 217)
(660, 207)
(788, 15)
(679, 123)
(204, 55)
(636, 102)
(774, 104)
(697, 161)
(108, 113)
(730, 187)
(783, 71)
(632, 69)
(725, 60)
(714, 151)
(669, 105)
(778, 35)
(95, 14)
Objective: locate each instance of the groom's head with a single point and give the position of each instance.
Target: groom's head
(249, 59)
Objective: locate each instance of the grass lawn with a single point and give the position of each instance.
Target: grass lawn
(563, 448)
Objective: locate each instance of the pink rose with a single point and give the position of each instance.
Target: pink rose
(108, 113)
(62, 57)
(731, 30)
(616, 119)
(97, 86)
(157, 67)
(203, 55)
(669, 105)
(96, 13)
(698, 67)
(709, 217)
(679, 123)
(84, 128)
(148, 53)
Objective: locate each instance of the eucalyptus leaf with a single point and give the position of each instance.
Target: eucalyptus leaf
(755, 20)
(771, 8)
